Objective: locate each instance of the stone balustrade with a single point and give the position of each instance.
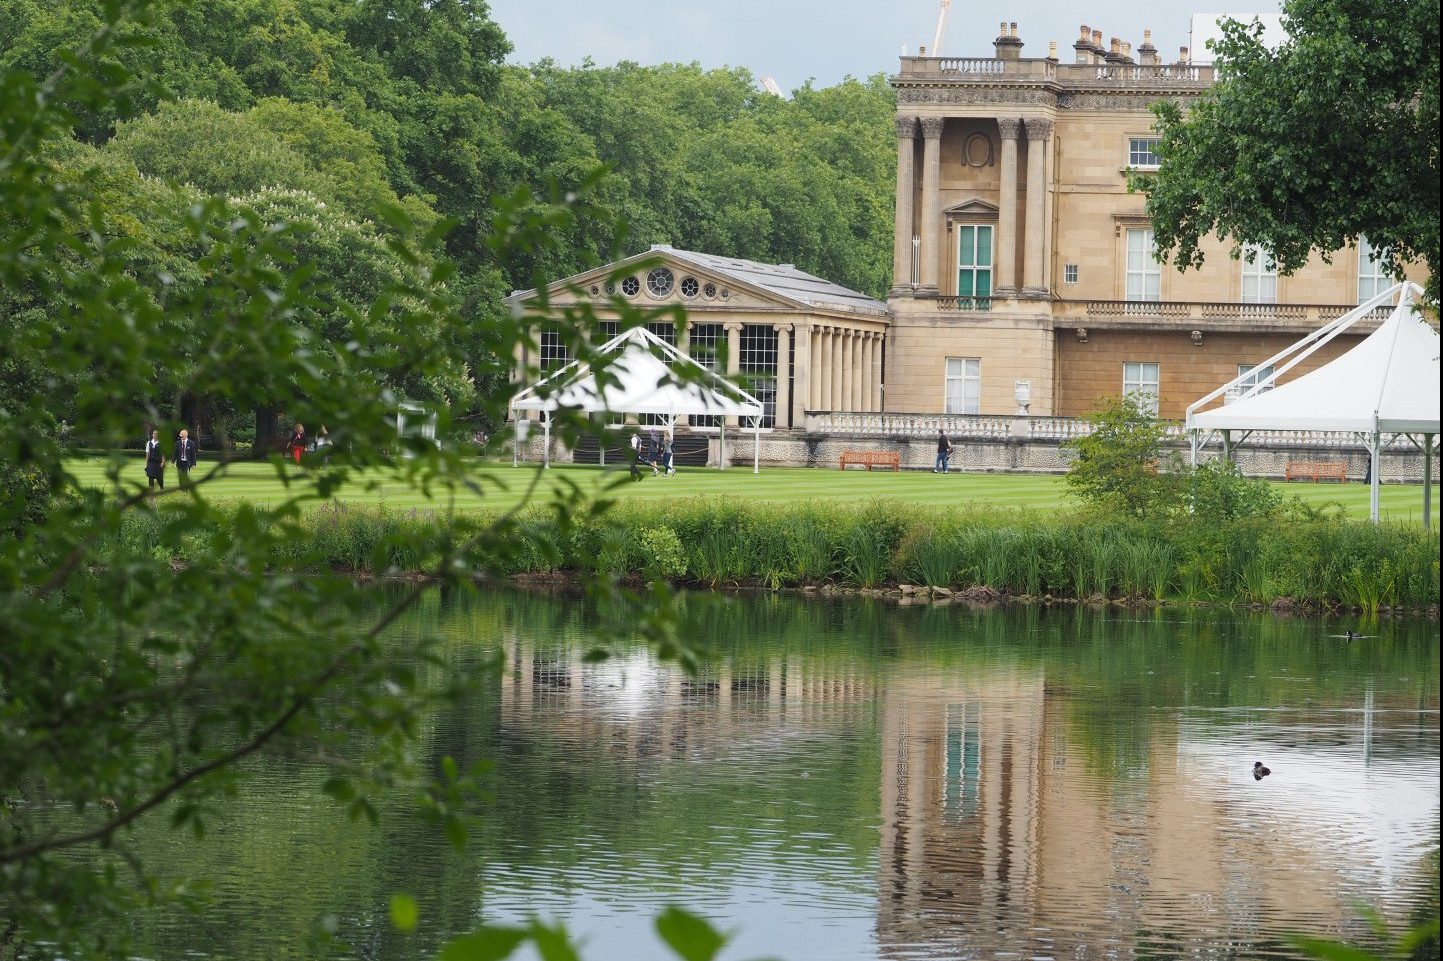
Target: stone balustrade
(1056, 429)
(1064, 75)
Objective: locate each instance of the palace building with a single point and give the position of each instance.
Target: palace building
(1024, 275)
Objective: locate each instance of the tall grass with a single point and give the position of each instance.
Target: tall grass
(714, 542)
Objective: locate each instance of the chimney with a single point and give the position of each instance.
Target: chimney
(1052, 50)
(1115, 54)
(1147, 52)
(1097, 48)
(921, 51)
(1182, 56)
(1007, 44)
(1082, 46)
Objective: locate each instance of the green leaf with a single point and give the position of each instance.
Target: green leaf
(690, 936)
(483, 944)
(405, 912)
(1325, 950)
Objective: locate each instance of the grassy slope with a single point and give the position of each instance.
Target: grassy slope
(259, 482)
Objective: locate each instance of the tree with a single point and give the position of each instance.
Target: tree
(1118, 466)
(131, 687)
(1331, 137)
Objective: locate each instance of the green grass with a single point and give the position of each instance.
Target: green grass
(259, 483)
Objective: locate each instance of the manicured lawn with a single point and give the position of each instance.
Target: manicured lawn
(259, 482)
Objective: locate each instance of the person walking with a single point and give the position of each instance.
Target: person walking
(944, 452)
(297, 443)
(155, 461)
(666, 455)
(635, 455)
(185, 455)
(653, 451)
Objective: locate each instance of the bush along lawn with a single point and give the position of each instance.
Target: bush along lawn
(1307, 562)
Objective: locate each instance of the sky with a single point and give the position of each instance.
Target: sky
(825, 40)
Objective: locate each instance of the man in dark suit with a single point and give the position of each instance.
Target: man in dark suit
(185, 454)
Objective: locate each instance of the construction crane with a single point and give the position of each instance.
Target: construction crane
(941, 25)
(770, 86)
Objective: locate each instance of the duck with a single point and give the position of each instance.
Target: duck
(1260, 772)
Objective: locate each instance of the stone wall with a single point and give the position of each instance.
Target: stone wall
(1403, 463)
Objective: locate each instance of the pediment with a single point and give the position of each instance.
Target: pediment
(692, 286)
(972, 207)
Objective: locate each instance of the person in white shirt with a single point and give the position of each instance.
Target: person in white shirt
(155, 461)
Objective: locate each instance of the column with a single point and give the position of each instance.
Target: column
(1038, 133)
(783, 397)
(683, 344)
(834, 359)
(819, 368)
(859, 369)
(1006, 244)
(734, 357)
(869, 344)
(931, 204)
(848, 371)
(877, 370)
(802, 386)
(902, 238)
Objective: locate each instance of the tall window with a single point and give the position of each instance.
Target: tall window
(704, 347)
(974, 261)
(666, 332)
(759, 367)
(1260, 276)
(553, 350)
(962, 781)
(1372, 280)
(964, 385)
(1144, 274)
(1142, 153)
(1256, 373)
(1141, 380)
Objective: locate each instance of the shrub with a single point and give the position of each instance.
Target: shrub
(661, 553)
(1117, 464)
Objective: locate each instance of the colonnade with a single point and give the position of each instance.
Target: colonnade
(845, 366)
(926, 224)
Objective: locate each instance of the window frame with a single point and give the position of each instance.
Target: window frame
(1133, 386)
(1266, 370)
(989, 269)
(1262, 269)
(1149, 271)
(1150, 151)
(1378, 280)
(971, 375)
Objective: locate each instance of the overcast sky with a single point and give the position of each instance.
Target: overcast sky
(826, 40)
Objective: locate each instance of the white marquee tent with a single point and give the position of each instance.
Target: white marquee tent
(640, 378)
(1387, 384)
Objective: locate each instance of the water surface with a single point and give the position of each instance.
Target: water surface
(848, 780)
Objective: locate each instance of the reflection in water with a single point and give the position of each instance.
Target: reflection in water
(848, 780)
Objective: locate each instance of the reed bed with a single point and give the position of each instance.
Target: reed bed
(715, 542)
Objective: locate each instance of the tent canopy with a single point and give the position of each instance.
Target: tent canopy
(1387, 384)
(640, 379)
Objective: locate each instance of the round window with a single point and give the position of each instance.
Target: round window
(631, 286)
(595, 290)
(689, 287)
(610, 289)
(660, 281)
(709, 291)
(725, 293)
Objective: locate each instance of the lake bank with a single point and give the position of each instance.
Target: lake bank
(1318, 564)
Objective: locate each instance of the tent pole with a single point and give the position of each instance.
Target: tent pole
(1373, 480)
(516, 445)
(1428, 481)
(721, 463)
(1227, 445)
(757, 446)
(546, 451)
(1192, 435)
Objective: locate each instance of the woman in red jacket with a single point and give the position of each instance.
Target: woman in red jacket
(297, 443)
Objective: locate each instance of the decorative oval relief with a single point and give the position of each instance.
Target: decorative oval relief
(977, 150)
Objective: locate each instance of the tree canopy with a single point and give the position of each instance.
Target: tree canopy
(1329, 138)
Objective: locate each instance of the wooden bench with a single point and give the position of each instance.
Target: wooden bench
(871, 458)
(1316, 470)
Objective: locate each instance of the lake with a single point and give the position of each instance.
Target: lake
(847, 779)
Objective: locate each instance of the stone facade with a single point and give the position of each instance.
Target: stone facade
(1401, 462)
(1036, 153)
